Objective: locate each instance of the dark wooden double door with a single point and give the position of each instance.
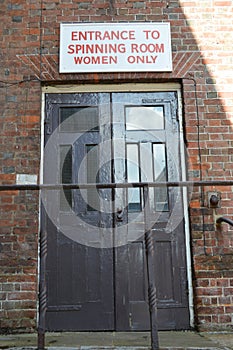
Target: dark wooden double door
(96, 263)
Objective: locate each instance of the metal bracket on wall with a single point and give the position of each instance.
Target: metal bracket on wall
(214, 199)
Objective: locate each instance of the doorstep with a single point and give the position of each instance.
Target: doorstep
(185, 340)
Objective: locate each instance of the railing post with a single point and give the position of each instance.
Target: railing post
(40, 339)
(42, 292)
(150, 257)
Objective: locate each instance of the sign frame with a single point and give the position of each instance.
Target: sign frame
(115, 47)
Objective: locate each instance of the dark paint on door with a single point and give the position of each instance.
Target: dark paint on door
(102, 285)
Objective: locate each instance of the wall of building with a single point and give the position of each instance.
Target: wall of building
(202, 63)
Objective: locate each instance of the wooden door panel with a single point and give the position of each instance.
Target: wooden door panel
(79, 285)
(154, 152)
(138, 298)
(79, 276)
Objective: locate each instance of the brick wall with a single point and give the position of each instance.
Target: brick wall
(202, 60)
(212, 247)
(20, 154)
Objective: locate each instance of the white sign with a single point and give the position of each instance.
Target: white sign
(115, 47)
(26, 179)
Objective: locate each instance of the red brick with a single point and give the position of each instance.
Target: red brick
(21, 296)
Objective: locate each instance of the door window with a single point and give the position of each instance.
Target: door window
(133, 175)
(160, 175)
(92, 164)
(78, 119)
(144, 117)
(66, 170)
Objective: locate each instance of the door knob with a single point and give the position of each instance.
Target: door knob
(119, 214)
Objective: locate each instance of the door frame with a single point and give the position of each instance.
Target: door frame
(131, 87)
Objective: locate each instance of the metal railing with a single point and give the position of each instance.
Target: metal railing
(13, 187)
(223, 219)
(148, 241)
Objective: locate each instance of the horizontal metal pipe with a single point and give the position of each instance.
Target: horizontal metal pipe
(15, 187)
(223, 219)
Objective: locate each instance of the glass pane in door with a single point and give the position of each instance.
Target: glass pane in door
(133, 175)
(66, 177)
(144, 118)
(92, 159)
(160, 175)
(78, 119)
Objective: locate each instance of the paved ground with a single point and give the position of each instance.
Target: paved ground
(120, 341)
(225, 339)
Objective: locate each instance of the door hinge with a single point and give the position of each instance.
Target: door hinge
(174, 110)
(48, 128)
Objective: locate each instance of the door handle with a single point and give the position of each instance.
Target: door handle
(119, 215)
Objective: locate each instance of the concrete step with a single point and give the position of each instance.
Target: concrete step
(118, 348)
(119, 341)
